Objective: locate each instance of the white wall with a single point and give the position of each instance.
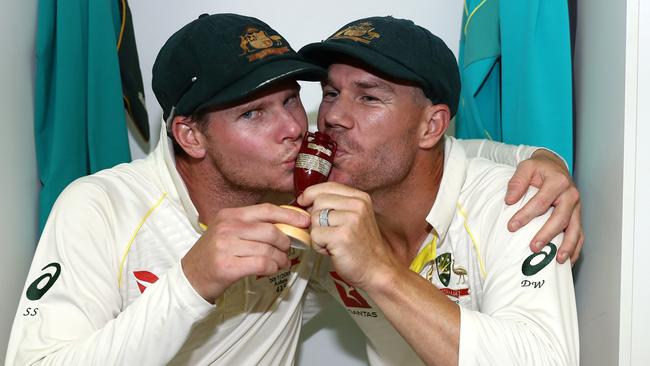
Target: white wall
(600, 92)
(634, 349)
(613, 89)
(18, 180)
(330, 339)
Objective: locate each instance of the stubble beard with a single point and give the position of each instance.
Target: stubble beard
(384, 173)
(245, 181)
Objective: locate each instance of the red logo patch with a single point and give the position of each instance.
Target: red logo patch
(349, 295)
(455, 293)
(144, 279)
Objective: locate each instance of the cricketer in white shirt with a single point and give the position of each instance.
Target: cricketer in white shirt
(517, 308)
(106, 286)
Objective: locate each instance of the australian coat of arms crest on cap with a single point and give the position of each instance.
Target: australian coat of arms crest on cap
(256, 44)
(361, 32)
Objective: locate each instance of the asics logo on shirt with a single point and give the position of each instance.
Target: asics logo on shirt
(537, 261)
(144, 279)
(38, 288)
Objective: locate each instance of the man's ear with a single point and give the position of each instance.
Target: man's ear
(435, 122)
(188, 136)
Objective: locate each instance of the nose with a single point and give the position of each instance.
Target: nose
(292, 127)
(334, 115)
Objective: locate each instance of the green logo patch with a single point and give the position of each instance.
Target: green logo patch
(537, 261)
(443, 267)
(34, 292)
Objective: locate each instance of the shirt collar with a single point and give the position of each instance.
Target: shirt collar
(173, 183)
(453, 176)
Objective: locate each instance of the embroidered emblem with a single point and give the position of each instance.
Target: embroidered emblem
(256, 44)
(443, 267)
(458, 271)
(362, 32)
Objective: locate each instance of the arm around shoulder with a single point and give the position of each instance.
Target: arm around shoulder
(528, 312)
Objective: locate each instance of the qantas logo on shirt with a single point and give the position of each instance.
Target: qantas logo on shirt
(144, 279)
(349, 295)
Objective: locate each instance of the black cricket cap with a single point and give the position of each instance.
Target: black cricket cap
(397, 48)
(220, 59)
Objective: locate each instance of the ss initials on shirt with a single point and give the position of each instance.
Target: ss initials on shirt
(30, 311)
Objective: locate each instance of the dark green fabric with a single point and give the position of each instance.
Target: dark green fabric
(131, 76)
(220, 59)
(79, 122)
(397, 48)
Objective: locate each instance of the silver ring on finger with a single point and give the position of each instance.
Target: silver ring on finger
(323, 217)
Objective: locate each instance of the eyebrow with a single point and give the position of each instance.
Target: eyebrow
(261, 102)
(366, 84)
(253, 104)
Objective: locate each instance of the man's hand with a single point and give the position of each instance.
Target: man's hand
(548, 173)
(240, 242)
(352, 239)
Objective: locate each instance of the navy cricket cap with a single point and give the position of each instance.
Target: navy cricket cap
(221, 59)
(397, 48)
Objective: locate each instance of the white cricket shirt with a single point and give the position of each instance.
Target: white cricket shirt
(106, 286)
(517, 308)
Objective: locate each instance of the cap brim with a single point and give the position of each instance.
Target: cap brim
(327, 52)
(263, 77)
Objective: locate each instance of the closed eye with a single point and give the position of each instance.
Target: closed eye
(369, 98)
(290, 100)
(328, 94)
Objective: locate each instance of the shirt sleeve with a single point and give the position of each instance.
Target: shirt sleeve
(498, 152)
(71, 310)
(528, 313)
